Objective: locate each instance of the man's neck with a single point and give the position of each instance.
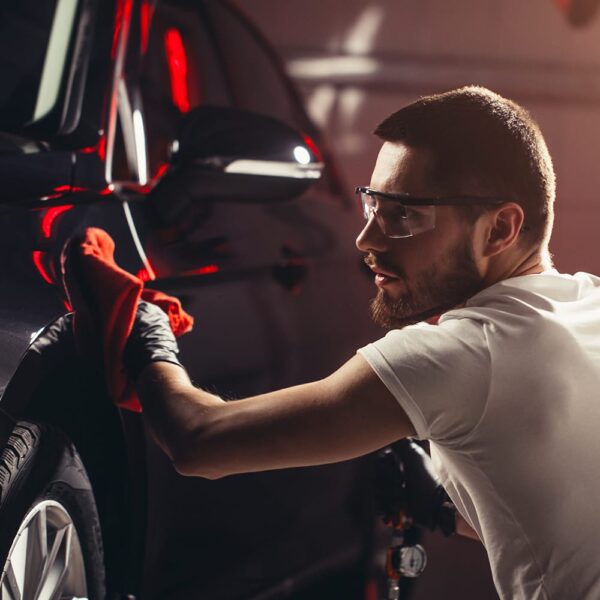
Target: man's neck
(533, 263)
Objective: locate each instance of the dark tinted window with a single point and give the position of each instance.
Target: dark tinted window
(34, 37)
(256, 78)
(180, 70)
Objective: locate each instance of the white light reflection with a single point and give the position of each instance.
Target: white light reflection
(351, 100)
(35, 334)
(56, 54)
(361, 37)
(140, 146)
(321, 102)
(337, 66)
(275, 168)
(302, 155)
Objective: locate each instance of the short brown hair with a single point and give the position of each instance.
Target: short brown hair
(481, 141)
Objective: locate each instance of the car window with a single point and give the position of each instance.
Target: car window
(34, 40)
(180, 70)
(240, 45)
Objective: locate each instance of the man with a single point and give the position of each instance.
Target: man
(459, 213)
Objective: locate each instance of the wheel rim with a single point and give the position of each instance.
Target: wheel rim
(45, 561)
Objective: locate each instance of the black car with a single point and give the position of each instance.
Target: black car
(172, 126)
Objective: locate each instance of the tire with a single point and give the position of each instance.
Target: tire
(50, 540)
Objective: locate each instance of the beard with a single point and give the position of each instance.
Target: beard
(441, 287)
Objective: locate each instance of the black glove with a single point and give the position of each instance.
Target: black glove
(405, 482)
(56, 343)
(150, 340)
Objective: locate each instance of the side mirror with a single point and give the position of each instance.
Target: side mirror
(229, 154)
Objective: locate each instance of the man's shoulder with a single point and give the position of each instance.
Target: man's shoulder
(549, 306)
(454, 332)
(548, 283)
(529, 294)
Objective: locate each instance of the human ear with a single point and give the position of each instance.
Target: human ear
(504, 226)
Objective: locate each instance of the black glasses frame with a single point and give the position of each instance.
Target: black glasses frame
(416, 201)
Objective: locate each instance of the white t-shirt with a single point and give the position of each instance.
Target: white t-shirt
(507, 389)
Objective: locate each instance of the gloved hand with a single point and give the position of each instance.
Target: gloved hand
(151, 340)
(405, 482)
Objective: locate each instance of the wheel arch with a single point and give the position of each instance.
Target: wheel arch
(45, 491)
(110, 444)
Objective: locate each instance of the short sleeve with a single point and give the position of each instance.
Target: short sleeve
(439, 374)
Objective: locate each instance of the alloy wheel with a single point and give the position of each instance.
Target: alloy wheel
(45, 561)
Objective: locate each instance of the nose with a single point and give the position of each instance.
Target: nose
(371, 237)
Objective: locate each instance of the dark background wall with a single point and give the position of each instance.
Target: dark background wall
(357, 61)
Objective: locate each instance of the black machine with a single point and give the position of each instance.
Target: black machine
(408, 497)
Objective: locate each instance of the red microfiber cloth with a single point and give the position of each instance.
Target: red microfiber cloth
(104, 298)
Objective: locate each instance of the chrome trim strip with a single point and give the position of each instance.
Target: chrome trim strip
(274, 168)
(136, 240)
(125, 115)
(117, 78)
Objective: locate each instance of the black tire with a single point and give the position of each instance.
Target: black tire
(43, 481)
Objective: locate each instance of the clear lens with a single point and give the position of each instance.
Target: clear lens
(420, 218)
(398, 220)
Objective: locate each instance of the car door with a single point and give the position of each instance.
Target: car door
(278, 297)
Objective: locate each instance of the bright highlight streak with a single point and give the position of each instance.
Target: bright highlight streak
(326, 68)
(321, 103)
(178, 69)
(50, 217)
(140, 146)
(56, 54)
(363, 35)
(36, 256)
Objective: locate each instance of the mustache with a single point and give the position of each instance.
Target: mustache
(375, 262)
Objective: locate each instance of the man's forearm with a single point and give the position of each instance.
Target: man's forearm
(345, 415)
(173, 407)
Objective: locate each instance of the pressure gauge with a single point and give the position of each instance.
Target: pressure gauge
(413, 560)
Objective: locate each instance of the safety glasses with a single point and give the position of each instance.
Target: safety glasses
(403, 215)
